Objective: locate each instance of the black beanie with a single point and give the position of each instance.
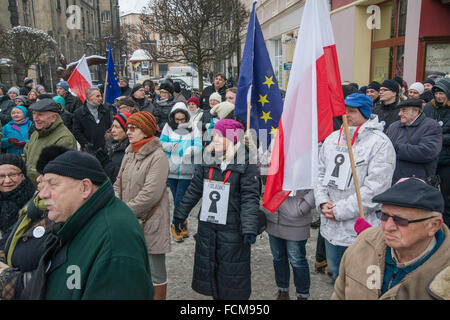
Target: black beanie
(430, 81)
(374, 85)
(166, 86)
(77, 165)
(136, 88)
(391, 85)
(348, 90)
(48, 154)
(15, 160)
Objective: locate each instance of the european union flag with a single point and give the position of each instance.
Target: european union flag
(257, 85)
(112, 89)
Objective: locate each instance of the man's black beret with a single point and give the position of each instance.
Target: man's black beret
(412, 193)
(416, 103)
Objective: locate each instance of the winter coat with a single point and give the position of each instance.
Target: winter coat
(387, 113)
(115, 152)
(292, 220)
(189, 149)
(162, 111)
(126, 91)
(24, 91)
(441, 113)
(207, 92)
(375, 163)
(144, 177)
(196, 119)
(56, 134)
(6, 106)
(144, 105)
(13, 130)
(222, 260)
(10, 204)
(72, 102)
(417, 147)
(87, 130)
(369, 250)
(104, 240)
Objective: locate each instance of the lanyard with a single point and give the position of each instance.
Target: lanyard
(227, 175)
(354, 135)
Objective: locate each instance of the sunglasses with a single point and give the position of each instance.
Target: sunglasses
(401, 222)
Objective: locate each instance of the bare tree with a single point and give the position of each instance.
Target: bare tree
(194, 31)
(24, 46)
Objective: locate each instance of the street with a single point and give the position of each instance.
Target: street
(181, 260)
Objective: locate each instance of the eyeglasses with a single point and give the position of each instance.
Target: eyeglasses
(180, 119)
(401, 222)
(11, 175)
(131, 128)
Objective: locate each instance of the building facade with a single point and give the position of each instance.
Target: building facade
(78, 26)
(378, 40)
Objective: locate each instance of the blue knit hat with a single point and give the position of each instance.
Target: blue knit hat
(361, 101)
(63, 84)
(21, 108)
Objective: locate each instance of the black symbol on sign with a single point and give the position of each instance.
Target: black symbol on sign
(339, 160)
(214, 197)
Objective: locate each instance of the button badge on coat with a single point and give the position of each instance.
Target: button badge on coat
(38, 232)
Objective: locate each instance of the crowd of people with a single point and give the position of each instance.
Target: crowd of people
(84, 194)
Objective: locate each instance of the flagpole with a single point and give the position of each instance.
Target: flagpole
(106, 87)
(352, 161)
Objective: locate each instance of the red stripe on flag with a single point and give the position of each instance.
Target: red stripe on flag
(78, 84)
(274, 195)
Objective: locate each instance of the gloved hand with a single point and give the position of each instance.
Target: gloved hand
(249, 238)
(178, 223)
(89, 148)
(13, 140)
(19, 144)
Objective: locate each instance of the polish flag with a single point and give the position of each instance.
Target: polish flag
(80, 79)
(314, 96)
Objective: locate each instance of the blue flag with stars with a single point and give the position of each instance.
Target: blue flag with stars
(112, 89)
(257, 84)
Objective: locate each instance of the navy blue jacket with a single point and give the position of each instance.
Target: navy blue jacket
(417, 146)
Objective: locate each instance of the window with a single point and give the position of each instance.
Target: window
(388, 42)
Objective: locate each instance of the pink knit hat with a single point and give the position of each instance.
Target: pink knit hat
(230, 129)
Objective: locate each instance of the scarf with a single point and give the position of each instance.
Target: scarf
(138, 145)
(93, 109)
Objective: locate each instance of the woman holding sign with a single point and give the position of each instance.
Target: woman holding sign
(228, 221)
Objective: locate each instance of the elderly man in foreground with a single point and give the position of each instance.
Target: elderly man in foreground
(408, 257)
(100, 251)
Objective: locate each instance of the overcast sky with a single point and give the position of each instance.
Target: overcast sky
(132, 5)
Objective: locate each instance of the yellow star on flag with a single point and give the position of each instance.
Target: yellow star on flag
(274, 131)
(263, 100)
(269, 81)
(266, 116)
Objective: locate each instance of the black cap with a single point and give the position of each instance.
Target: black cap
(77, 165)
(45, 105)
(391, 85)
(430, 81)
(136, 87)
(374, 85)
(416, 103)
(412, 193)
(14, 160)
(166, 86)
(48, 154)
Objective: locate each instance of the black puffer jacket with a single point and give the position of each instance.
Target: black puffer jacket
(441, 113)
(6, 106)
(417, 147)
(72, 102)
(144, 105)
(162, 112)
(10, 204)
(115, 151)
(222, 260)
(387, 113)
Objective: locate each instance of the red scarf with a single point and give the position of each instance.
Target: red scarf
(138, 145)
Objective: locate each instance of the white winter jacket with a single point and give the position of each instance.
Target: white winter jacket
(375, 164)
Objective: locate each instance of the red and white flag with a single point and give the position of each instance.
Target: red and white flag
(314, 96)
(80, 79)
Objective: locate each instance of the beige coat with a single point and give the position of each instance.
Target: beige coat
(369, 249)
(144, 178)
